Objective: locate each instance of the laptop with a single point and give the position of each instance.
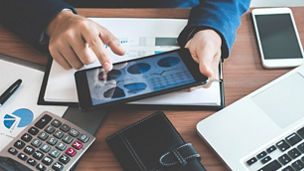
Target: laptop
(264, 131)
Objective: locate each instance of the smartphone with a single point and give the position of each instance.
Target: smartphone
(277, 37)
(137, 79)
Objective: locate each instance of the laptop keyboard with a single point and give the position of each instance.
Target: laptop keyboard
(285, 155)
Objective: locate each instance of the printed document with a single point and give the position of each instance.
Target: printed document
(21, 108)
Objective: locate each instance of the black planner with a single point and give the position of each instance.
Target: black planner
(153, 144)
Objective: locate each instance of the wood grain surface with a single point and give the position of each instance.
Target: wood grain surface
(243, 73)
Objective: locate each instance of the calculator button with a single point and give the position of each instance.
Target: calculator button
(41, 167)
(43, 136)
(84, 138)
(65, 128)
(61, 146)
(38, 155)
(43, 121)
(64, 159)
(47, 160)
(50, 129)
(33, 131)
(70, 151)
(31, 162)
(19, 144)
(77, 145)
(74, 132)
(29, 150)
(45, 148)
(56, 123)
(57, 166)
(26, 137)
(67, 139)
(36, 143)
(54, 153)
(13, 151)
(22, 156)
(58, 134)
(52, 141)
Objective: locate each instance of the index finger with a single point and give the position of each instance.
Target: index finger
(109, 39)
(98, 47)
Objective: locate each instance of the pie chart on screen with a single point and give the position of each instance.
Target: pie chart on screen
(26, 117)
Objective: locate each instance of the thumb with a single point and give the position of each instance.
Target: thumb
(206, 68)
(205, 62)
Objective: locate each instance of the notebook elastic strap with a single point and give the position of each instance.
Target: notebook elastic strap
(180, 155)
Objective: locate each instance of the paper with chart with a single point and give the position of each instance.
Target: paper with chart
(139, 37)
(21, 108)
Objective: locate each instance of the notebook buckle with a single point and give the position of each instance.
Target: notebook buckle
(180, 155)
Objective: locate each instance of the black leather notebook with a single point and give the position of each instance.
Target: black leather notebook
(153, 144)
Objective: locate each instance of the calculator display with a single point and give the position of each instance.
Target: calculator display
(138, 77)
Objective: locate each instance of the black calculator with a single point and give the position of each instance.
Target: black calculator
(49, 143)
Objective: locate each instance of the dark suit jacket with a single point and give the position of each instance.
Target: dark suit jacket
(29, 18)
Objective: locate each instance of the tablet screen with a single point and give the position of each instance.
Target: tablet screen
(138, 77)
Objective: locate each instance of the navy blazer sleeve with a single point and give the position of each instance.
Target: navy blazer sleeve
(30, 18)
(220, 15)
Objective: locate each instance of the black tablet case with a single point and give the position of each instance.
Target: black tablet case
(41, 100)
(153, 144)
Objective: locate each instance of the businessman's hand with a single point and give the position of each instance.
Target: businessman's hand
(76, 41)
(205, 48)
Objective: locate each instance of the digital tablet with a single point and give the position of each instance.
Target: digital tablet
(137, 79)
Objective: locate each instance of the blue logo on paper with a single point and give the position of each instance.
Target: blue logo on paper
(26, 117)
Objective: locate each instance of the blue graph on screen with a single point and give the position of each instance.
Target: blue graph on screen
(26, 117)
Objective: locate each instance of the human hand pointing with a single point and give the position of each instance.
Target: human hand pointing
(76, 41)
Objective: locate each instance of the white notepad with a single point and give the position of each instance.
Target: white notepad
(139, 37)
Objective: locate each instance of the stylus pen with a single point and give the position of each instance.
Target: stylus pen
(8, 93)
(221, 71)
(220, 79)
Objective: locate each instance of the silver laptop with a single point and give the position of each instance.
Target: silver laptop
(263, 131)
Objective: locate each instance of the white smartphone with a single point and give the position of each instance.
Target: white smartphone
(277, 37)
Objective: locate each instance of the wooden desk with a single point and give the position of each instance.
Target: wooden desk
(243, 73)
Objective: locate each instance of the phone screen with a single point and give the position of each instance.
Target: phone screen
(138, 77)
(278, 37)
